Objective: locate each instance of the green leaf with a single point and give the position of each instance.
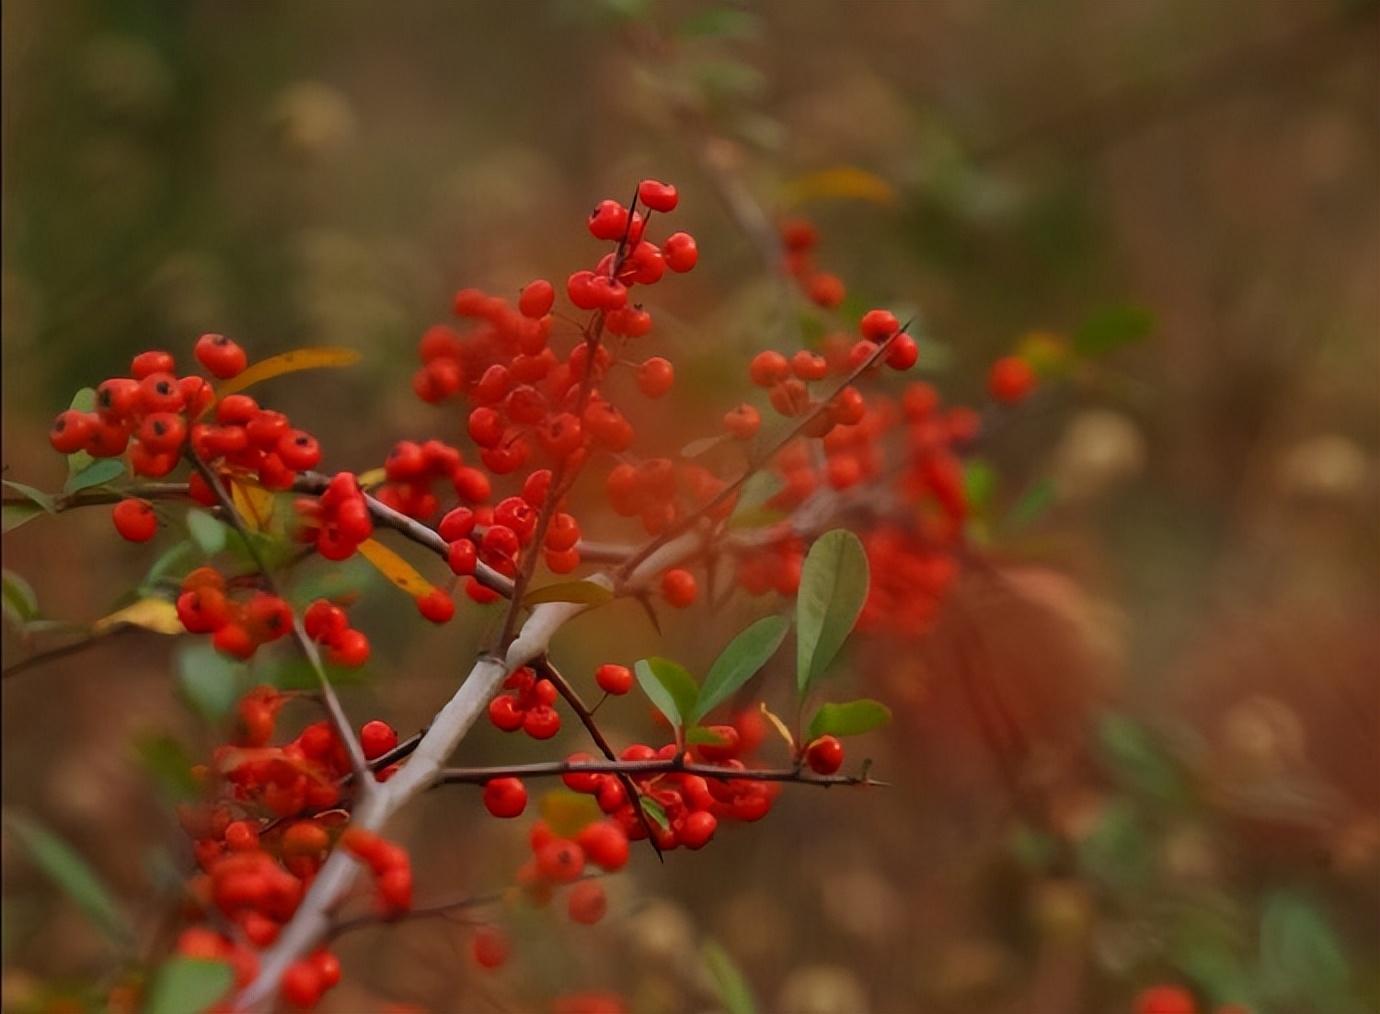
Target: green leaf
(739, 662)
(756, 517)
(188, 986)
(699, 735)
(1301, 957)
(851, 718)
(586, 592)
(168, 763)
(21, 604)
(83, 401)
(39, 497)
(732, 987)
(208, 533)
(61, 863)
(209, 681)
(1137, 759)
(12, 515)
(670, 688)
(654, 812)
(979, 484)
(1031, 506)
(1112, 327)
(95, 474)
(833, 587)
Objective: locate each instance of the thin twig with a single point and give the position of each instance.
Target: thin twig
(673, 765)
(75, 647)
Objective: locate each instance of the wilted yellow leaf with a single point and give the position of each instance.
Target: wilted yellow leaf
(158, 615)
(254, 504)
(373, 477)
(840, 183)
(395, 568)
(289, 362)
(779, 725)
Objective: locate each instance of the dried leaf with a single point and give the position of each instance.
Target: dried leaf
(395, 568)
(289, 362)
(158, 615)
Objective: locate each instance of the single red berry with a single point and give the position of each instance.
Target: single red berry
(233, 639)
(299, 450)
(678, 587)
(1165, 1000)
(824, 755)
(655, 377)
(135, 519)
(71, 430)
(1011, 379)
(825, 289)
(536, 299)
(560, 861)
(697, 828)
(657, 195)
(162, 432)
(680, 252)
(376, 739)
(903, 353)
(768, 368)
(505, 714)
(221, 356)
(614, 679)
(587, 903)
(542, 722)
(152, 361)
(608, 220)
(462, 556)
(743, 422)
(491, 947)
(878, 325)
(302, 985)
(505, 797)
(436, 606)
(349, 648)
(605, 844)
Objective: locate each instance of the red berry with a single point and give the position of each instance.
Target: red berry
(614, 679)
(902, 353)
(1011, 379)
(743, 422)
(680, 252)
(658, 196)
(655, 377)
(135, 520)
(505, 797)
(302, 985)
(608, 220)
(605, 844)
(299, 450)
(1166, 1000)
(678, 587)
(587, 903)
(233, 639)
(768, 368)
(462, 556)
(560, 861)
(153, 361)
(491, 947)
(825, 289)
(221, 356)
(824, 755)
(878, 325)
(697, 829)
(436, 606)
(376, 739)
(542, 722)
(349, 648)
(537, 299)
(505, 714)
(71, 430)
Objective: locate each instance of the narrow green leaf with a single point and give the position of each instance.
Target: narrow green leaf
(586, 592)
(654, 812)
(209, 681)
(94, 474)
(188, 986)
(734, 992)
(739, 662)
(39, 497)
(61, 863)
(833, 587)
(851, 718)
(208, 533)
(979, 484)
(21, 604)
(1112, 327)
(670, 688)
(12, 515)
(1032, 505)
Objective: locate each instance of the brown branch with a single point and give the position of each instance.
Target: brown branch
(62, 651)
(96, 496)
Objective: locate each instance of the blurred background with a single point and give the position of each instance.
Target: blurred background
(1138, 746)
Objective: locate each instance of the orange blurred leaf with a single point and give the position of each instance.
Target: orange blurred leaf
(842, 182)
(395, 568)
(289, 362)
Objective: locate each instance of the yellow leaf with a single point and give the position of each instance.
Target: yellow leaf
(780, 726)
(373, 477)
(568, 813)
(158, 615)
(289, 362)
(395, 568)
(1046, 351)
(841, 183)
(254, 504)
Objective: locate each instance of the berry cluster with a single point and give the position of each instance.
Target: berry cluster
(800, 238)
(526, 703)
(336, 522)
(660, 492)
(237, 625)
(413, 468)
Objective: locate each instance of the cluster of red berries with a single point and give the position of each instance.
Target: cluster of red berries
(526, 703)
(412, 470)
(389, 863)
(660, 492)
(238, 626)
(326, 623)
(337, 521)
(800, 238)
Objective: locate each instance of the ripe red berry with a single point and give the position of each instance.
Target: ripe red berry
(680, 252)
(505, 797)
(608, 220)
(302, 985)
(824, 755)
(462, 556)
(221, 356)
(436, 606)
(536, 299)
(233, 639)
(878, 325)
(678, 587)
(697, 828)
(299, 450)
(657, 195)
(490, 947)
(376, 739)
(560, 861)
(743, 422)
(1165, 1000)
(349, 648)
(71, 430)
(1011, 379)
(655, 377)
(152, 361)
(903, 353)
(605, 844)
(768, 368)
(825, 289)
(614, 679)
(541, 722)
(587, 903)
(135, 519)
